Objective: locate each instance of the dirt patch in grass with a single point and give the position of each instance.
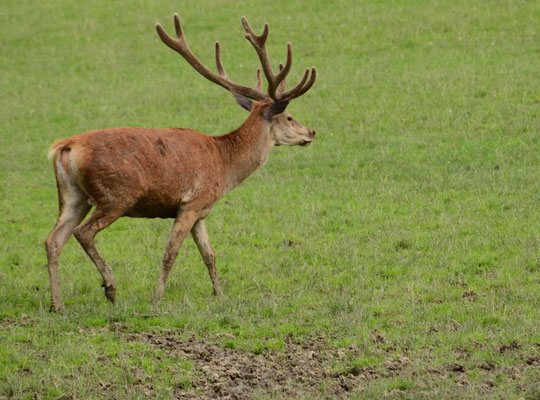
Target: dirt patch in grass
(22, 320)
(301, 369)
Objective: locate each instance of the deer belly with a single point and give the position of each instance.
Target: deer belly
(150, 208)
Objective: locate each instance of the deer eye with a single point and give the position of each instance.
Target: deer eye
(289, 118)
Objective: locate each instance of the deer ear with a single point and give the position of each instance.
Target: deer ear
(244, 102)
(276, 108)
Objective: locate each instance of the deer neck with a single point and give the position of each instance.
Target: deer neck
(245, 150)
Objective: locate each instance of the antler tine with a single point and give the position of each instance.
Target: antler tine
(219, 63)
(275, 88)
(180, 46)
(178, 26)
(259, 80)
(260, 40)
(281, 87)
(294, 92)
(288, 64)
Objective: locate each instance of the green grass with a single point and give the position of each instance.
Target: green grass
(415, 214)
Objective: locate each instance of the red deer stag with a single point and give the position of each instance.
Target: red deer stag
(170, 173)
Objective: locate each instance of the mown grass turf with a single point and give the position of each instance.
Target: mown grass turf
(410, 225)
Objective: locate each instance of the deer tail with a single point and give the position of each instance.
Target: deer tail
(57, 146)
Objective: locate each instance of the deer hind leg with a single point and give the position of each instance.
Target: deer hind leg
(181, 227)
(73, 207)
(200, 235)
(85, 234)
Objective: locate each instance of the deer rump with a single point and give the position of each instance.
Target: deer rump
(148, 173)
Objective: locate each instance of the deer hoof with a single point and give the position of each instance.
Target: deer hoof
(156, 298)
(56, 307)
(110, 293)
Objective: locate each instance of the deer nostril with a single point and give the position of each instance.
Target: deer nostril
(313, 133)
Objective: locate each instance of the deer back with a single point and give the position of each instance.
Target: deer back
(149, 172)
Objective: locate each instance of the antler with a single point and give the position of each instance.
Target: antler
(276, 83)
(180, 45)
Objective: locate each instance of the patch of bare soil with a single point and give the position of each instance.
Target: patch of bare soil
(300, 370)
(21, 320)
(310, 368)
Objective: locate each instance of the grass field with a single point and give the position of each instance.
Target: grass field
(398, 256)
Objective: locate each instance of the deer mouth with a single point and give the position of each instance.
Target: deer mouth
(305, 142)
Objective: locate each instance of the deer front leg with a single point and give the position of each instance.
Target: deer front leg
(182, 225)
(200, 235)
